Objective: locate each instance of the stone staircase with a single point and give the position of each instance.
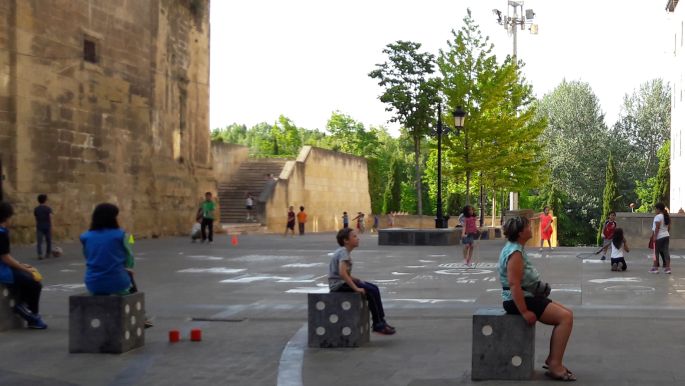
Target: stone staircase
(250, 177)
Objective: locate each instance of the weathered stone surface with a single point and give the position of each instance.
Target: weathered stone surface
(396, 236)
(131, 128)
(503, 346)
(8, 319)
(338, 319)
(106, 324)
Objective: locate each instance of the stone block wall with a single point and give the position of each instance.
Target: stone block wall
(105, 101)
(227, 158)
(326, 183)
(637, 228)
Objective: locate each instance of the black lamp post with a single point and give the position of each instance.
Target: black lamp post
(458, 114)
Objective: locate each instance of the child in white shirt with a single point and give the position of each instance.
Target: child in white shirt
(619, 247)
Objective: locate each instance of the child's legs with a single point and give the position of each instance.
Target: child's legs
(373, 295)
(203, 228)
(623, 264)
(48, 241)
(39, 241)
(26, 289)
(662, 245)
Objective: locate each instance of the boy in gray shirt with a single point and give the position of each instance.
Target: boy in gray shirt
(340, 279)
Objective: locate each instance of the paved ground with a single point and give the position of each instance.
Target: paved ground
(250, 302)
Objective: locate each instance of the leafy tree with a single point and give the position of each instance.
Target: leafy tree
(392, 198)
(610, 196)
(662, 188)
(500, 137)
(576, 147)
(409, 93)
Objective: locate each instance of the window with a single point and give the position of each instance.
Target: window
(89, 51)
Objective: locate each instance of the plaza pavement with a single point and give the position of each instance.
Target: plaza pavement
(250, 302)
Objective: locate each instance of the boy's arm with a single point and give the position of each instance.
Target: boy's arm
(12, 263)
(343, 267)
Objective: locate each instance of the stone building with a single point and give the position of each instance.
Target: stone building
(105, 100)
(677, 21)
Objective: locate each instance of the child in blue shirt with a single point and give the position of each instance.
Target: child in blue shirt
(19, 278)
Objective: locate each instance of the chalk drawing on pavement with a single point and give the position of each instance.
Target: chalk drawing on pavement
(221, 270)
(433, 301)
(304, 265)
(63, 287)
(262, 258)
(616, 280)
(428, 261)
(205, 257)
(401, 273)
(639, 289)
(463, 271)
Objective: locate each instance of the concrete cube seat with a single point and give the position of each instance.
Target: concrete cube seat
(503, 346)
(106, 324)
(8, 319)
(338, 319)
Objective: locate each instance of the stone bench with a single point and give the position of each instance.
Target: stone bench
(8, 319)
(503, 346)
(106, 324)
(338, 319)
(412, 236)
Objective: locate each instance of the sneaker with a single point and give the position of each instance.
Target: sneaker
(614, 267)
(654, 270)
(148, 324)
(23, 311)
(385, 330)
(37, 324)
(389, 326)
(667, 270)
(603, 258)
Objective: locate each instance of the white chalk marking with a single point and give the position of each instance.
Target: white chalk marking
(304, 265)
(205, 257)
(64, 287)
(221, 270)
(400, 273)
(616, 280)
(435, 301)
(308, 290)
(290, 365)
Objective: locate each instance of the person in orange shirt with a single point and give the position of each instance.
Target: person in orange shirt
(301, 220)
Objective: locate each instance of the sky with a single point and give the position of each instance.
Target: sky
(305, 59)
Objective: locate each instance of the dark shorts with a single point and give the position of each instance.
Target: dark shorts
(248, 207)
(291, 225)
(536, 305)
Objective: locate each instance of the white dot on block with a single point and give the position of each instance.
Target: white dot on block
(516, 361)
(95, 323)
(139, 332)
(12, 303)
(333, 318)
(346, 331)
(346, 305)
(138, 306)
(320, 305)
(127, 335)
(127, 309)
(320, 331)
(5, 292)
(133, 320)
(487, 330)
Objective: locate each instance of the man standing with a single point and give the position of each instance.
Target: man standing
(301, 220)
(207, 212)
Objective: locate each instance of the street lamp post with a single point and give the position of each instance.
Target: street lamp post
(458, 114)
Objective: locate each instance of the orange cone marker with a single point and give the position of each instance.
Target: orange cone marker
(196, 335)
(234, 240)
(174, 336)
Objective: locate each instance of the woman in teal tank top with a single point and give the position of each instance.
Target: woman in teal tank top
(517, 273)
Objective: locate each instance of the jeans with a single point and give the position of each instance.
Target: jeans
(301, 228)
(25, 289)
(207, 223)
(661, 249)
(373, 295)
(47, 234)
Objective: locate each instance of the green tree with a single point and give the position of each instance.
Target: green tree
(610, 196)
(500, 139)
(576, 147)
(662, 188)
(409, 93)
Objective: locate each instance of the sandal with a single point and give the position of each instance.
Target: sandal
(567, 376)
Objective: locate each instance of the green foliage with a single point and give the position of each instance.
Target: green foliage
(611, 195)
(409, 94)
(662, 188)
(644, 191)
(500, 138)
(576, 148)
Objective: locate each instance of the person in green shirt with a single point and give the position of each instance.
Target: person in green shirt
(206, 211)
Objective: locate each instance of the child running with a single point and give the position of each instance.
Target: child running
(619, 247)
(340, 279)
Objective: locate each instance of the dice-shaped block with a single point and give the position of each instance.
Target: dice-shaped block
(338, 319)
(503, 346)
(8, 319)
(106, 324)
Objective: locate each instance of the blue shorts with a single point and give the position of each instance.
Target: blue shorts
(468, 239)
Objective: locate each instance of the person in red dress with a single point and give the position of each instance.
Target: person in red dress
(546, 228)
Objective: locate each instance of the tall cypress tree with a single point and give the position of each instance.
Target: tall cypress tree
(611, 194)
(662, 189)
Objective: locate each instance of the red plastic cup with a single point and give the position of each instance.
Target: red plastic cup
(196, 335)
(174, 336)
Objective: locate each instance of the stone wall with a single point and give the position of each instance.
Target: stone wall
(227, 158)
(326, 183)
(105, 100)
(637, 228)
